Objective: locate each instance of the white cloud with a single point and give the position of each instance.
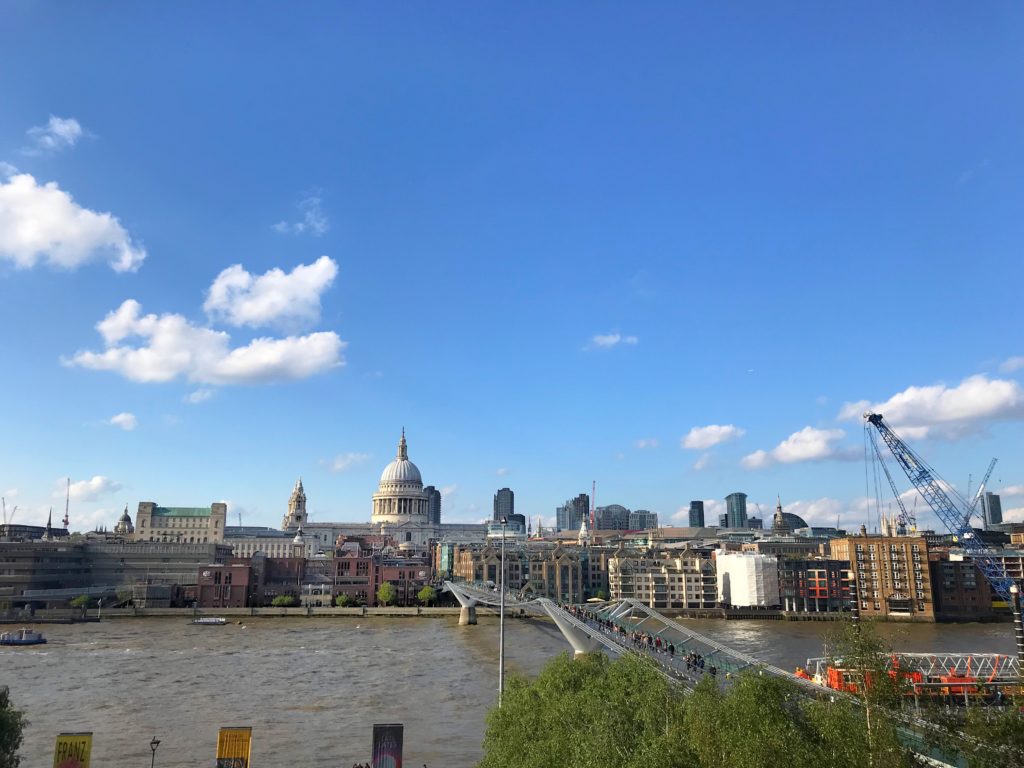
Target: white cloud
(951, 412)
(43, 223)
(809, 444)
(198, 396)
(314, 221)
(87, 490)
(343, 462)
(501, 471)
(1011, 490)
(6, 170)
(175, 347)
(1014, 515)
(449, 490)
(1012, 364)
(58, 133)
(702, 463)
(275, 297)
(646, 442)
(125, 421)
(609, 340)
(702, 438)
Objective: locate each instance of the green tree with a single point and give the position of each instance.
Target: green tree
(601, 595)
(284, 601)
(12, 725)
(342, 600)
(82, 601)
(124, 595)
(587, 712)
(856, 648)
(427, 595)
(386, 593)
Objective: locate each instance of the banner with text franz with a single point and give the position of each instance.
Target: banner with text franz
(387, 745)
(72, 750)
(234, 746)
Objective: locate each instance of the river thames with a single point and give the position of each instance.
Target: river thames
(311, 688)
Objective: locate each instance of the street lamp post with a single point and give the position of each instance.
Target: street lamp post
(153, 745)
(1018, 625)
(501, 618)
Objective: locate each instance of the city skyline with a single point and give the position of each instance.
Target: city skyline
(558, 245)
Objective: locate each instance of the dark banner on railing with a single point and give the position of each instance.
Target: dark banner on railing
(387, 745)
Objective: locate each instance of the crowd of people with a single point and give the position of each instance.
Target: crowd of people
(650, 644)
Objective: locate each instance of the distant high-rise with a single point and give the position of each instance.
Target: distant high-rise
(696, 514)
(569, 516)
(736, 510)
(642, 520)
(991, 509)
(723, 520)
(504, 503)
(613, 517)
(433, 504)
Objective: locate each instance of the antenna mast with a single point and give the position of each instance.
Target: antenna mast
(593, 503)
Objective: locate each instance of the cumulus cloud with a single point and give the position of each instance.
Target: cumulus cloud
(87, 490)
(703, 462)
(313, 220)
(275, 297)
(343, 462)
(125, 421)
(1012, 364)
(198, 396)
(58, 133)
(171, 347)
(646, 442)
(943, 411)
(43, 223)
(809, 444)
(501, 471)
(609, 340)
(1011, 490)
(702, 438)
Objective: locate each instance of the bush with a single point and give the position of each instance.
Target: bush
(284, 601)
(12, 725)
(343, 600)
(82, 601)
(427, 595)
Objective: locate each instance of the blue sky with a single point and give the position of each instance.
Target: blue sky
(656, 245)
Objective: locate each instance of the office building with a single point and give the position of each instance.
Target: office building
(642, 520)
(570, 515)
(180, 525)
(736, 510)
(696, 514)
(991, 510)
(433, 504)
(684, 580)
(504, 504)
(613, 517)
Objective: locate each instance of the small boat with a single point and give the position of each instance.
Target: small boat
(22, 637)
(214, 621)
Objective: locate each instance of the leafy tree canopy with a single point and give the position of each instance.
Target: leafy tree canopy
(12, 724)
(386, 593)
(427, 595)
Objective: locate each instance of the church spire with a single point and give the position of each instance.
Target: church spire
(403, 450)
(779, 523)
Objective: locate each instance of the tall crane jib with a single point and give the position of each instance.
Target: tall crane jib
(956, 519)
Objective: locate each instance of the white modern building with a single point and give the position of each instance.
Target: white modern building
(747, 579)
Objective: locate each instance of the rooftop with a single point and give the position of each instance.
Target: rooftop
(181, 511)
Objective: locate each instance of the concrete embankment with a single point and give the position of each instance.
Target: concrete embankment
(61, 615)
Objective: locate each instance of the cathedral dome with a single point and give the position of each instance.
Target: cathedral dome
(401, 470)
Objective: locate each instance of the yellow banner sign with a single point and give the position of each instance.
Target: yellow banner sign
(72, 750)
(233, 747)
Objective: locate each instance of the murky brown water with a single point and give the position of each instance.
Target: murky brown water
(312, 688)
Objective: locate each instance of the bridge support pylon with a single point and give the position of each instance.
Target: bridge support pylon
(467, 615)
(581, 642)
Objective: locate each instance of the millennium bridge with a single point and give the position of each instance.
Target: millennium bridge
(685, 657)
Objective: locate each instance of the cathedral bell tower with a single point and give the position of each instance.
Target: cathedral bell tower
(296, 516)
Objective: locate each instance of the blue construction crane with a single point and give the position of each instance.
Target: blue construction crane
(955, 518)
